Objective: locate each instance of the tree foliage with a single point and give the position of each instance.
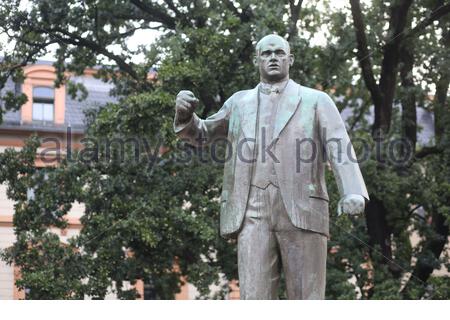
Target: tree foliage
(146, 212)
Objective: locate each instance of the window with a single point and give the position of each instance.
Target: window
(43, 104)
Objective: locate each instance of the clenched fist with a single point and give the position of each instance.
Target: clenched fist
(185, 105)
(351, 204)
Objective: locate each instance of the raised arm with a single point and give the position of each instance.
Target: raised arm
(342, 158)
(190, 127)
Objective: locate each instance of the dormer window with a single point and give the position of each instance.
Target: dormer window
(43, 104)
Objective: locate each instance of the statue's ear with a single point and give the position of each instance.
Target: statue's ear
(291, 59)
(255, 60)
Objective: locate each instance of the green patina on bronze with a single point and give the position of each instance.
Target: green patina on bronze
(278, 211)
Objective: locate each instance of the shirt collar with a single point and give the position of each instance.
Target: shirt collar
(278, 87)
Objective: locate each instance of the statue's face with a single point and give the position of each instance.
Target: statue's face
(273, 59)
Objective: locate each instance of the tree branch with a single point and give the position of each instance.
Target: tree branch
(441, 104)
(157, 15)
(432, 248)
(229, 4)
(434, 15)
(408, 96)
(172, 7)
(181, 16)
(426, 151)
(295, 14)
(36, 48)
(363, 53)
(245, 15)
(74, 39)
(389, 66)
(359, 116)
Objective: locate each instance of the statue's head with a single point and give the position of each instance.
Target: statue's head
(273, 58)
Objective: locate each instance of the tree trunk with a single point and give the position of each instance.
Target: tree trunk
(441, 106)
(389, 67)
(295, 10)
(380, 235)
(408, 99)
(382, 95)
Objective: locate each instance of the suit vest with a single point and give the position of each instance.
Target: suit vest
(264, 170)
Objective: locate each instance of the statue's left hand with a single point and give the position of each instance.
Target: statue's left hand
(352, 204)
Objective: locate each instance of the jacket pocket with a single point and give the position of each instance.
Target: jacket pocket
(318, 203)
(323, 198)
(313, 193)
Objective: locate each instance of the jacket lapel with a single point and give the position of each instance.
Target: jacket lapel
(287, 106)
(247, 113)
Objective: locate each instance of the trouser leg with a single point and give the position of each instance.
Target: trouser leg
(303, 255)
(258, 256)
(268, 236)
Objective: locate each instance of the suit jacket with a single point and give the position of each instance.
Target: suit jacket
(310, 132)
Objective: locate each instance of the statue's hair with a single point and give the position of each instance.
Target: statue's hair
(259, 44)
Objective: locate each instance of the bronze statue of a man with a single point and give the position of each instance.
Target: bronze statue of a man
(274, 198)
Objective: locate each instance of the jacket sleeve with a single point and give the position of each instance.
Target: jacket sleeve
(339, 149)
(199, 132)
